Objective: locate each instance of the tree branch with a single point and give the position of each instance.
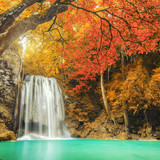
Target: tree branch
(29, 23)
(7, 18)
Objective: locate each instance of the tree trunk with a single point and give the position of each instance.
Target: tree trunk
(126, 119)
(123, 65)
(125, 107)
(106, 104)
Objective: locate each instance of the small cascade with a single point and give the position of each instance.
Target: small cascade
(41, 110)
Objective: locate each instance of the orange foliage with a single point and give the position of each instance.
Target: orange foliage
(132, 91)
(154, 88)
(135, 87)
(113, 90)
(7, 4)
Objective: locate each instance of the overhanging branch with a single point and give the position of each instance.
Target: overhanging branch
(8, 17)
(29, 23)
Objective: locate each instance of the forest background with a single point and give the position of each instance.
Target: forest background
(107, 51)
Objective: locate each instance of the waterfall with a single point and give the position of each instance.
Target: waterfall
(41, 109)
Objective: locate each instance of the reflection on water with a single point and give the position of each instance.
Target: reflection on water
(41, 150)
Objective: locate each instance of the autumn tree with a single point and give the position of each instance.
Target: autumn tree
(133, 24)
(87, 59)
(135, 87)
(122, 25)
(42, 56)
(132, 90)
(153, 95)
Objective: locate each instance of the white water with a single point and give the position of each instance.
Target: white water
(41, 110)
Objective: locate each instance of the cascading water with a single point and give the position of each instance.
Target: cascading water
(41, 110)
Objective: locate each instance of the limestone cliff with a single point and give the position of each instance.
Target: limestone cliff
(9, 69)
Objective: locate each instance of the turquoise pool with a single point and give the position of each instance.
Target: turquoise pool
(80, 149)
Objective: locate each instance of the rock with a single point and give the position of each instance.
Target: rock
(143, 135)
(135, 136)
(86, 132)
(157, 135)
(73, 132)
(122, 136)
(9, 69)
(149, 130)
(8, 135)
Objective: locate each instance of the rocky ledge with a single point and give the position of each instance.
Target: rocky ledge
(9, 68)
(83, 122)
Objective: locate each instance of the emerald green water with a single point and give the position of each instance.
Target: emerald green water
(80, 149)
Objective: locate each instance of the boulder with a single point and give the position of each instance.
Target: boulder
(8, 135)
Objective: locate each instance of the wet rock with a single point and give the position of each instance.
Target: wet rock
(8, 135)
